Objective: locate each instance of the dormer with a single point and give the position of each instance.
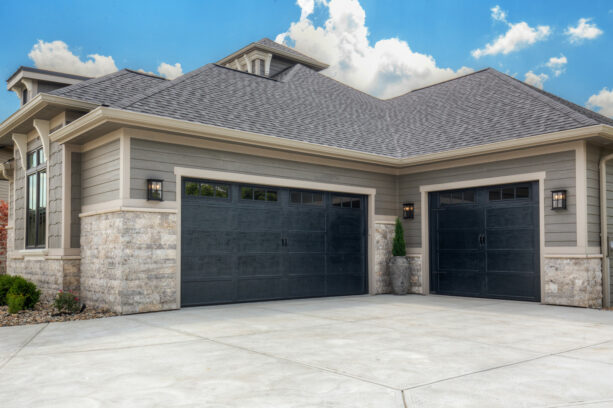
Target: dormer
(28, 82)
(268, 58)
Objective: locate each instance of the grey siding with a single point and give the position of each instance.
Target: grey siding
(75, 206)
(54, 212)
(593, 195)
(20, 203)
(610, 215)
(48, 86)
(560, 227)
(4, 190)
(279, 64)
(100, 174)
(158, 160)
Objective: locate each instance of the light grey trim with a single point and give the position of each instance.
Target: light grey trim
(75, 208)
(157, 160)
(100, 174)
(560, 227)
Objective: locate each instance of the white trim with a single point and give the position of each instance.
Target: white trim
(21, 141)
(515, 178)
(66, 194)
(126, 209)
(581, 194)
(385, 219)
(42, 128)
(124, 166)
(181, 172)
(604, 231)
(584, 256)
(101, 141)
(563, 250)
(130, 203)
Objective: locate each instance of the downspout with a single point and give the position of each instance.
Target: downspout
(606, 284)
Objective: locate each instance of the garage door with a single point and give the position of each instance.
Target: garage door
(484, 242)
(244, 243)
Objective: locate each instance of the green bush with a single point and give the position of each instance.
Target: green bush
(6, 281)
(399, 248)
(15, 302)
(67, 302)
(26, 289)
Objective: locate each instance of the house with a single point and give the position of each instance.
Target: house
(259, 178)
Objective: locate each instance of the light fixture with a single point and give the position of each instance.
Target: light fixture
(408, 211)
(558, 200)
(154, 190)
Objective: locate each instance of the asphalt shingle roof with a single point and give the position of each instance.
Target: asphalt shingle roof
(110, 89)
(301, 104)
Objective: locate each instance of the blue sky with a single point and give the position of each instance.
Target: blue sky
(383, 47)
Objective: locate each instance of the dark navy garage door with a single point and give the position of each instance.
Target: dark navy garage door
(245, 243)
(484, 242)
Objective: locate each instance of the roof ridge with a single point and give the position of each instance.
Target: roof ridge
(149, 74)
(88, 82)
(124, 103)
(439, 83)
(544, 98)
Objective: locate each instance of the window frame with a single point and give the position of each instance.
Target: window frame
(266, 189)
(37, 169)
(213, 184)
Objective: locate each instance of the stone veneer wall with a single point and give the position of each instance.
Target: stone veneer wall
(384, 236)
(49, 275)
(129, 261)
(573, 282)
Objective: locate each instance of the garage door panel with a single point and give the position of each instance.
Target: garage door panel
(460, 282)
(344, 264)
(511, 239)
(514, 217)
(448, 260)
(307, 286)
(307, 264)
(459, 218)
(198, 242)
(304, 241)
(518, 285)
(306, 220)
(261, 288)
(260, 218)
(206, 266)
(260, 241)
(259, 265)
(207, 292)
(459, 239)
(215, 218)
(511, 261)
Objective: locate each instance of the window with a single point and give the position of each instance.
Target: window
(206, 189)
(36, 178)
(306, 197)
(258, 194)
(24, 96)
(346, 202)
(457, 197)
(508, 193)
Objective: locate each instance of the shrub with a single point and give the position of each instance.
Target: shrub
(399, 248)
(26, 289)
(6, 281)
(66, 302)
(15, 302)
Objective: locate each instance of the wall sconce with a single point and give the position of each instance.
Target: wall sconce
(558, 200)
(408, 211)
(154, 190)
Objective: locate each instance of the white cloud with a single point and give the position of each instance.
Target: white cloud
(498, 14)
(170, 71)
(56, 56)
(518, 36)
(602, 102)
(557, 64)
(385, 69)
(583, 31)
(536, 80)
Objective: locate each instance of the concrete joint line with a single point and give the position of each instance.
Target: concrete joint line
(24, 345)
(558, 354)
(579, 404)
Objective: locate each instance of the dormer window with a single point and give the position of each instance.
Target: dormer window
(24, 96)
(257, 66)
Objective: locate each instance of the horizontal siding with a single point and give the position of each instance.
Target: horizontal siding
(560, 227)
(54, 211)
(279, 64)
(158, 160)
(75, 203)
(100, 174)
(4, 190)
(593, 195)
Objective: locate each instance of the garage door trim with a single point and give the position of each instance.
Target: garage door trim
(516, 178)
(184, 172)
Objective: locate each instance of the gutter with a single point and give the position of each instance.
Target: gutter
(101, 115)
(606, 281)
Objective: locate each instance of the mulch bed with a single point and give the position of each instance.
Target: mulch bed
(44, 312)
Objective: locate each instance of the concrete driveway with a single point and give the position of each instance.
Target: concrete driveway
(360, 351)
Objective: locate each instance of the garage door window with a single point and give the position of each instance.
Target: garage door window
(306, 198)
(457, 197)
(210, 190)
(508, 193)
(258, 194)
(346, 202)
